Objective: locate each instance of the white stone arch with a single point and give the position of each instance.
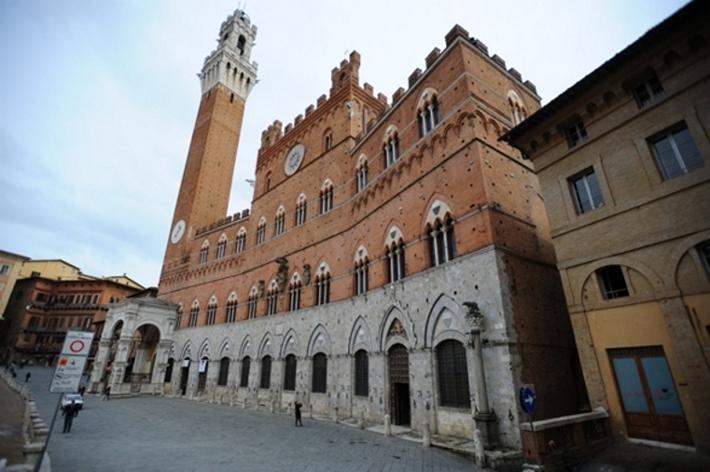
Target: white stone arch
(446, 320)
(290, 344)
(205, 349)
(222, 238)
(361, 161)
(323, 268)
(265, 346)
(150, 323)
(319, 341)
(361, 254)
(389, 132)
(242, 231)
(301, 198)
(273, 285)
(186, 352)
(232, 297)
(517, 107)
(246, 349)
(224, 349)
(262, 221)
(109, 333)
(327, 183)
(195, 304)
(205, 244)
(426, 96)
(254, 291)
(295, 278)
(360, 337)
(280, 211)
(394, 234)
(212, 301)
(385, 341)
(438, 209)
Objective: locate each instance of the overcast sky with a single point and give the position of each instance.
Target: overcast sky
(98, 99)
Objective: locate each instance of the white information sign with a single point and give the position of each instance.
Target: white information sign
(72, 360)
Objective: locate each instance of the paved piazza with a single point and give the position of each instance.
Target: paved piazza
(155, 434)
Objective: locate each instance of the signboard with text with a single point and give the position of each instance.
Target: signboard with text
(71, 363)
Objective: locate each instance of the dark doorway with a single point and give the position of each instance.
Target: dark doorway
(398, 362)
(651, 405)
(202, 374)
(184, 374)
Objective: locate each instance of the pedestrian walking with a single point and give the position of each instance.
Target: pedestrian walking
(82, 389)
(28, 375)
(297, 406)
(107, 392)
(69, 412)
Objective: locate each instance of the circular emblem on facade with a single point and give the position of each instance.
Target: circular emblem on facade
(178, 231)
(294, 158)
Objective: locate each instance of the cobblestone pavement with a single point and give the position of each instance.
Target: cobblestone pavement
(155, 434)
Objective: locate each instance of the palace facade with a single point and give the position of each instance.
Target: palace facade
(396, 259)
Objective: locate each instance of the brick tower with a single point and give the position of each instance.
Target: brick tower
(226, 79)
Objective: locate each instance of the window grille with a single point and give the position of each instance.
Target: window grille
(223, 371)
(320, 373)
(452, 374)
(265, 372)
(244, 377)
(290, 373)
(361, 373)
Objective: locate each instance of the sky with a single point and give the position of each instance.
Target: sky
(98, 99)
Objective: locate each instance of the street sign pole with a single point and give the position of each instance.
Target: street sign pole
(67, 375)
(528, 402)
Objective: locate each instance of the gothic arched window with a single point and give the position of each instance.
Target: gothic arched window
(326, 196)
(222, 246)
(361, 373)
(212, 310)
(261, 231)
(390, 148)
(320, 373)
(272, 298)
(428, 112)
(241, 241)
(265, 372)
(301, 207)
(440, 234)
(323, 285)
(361, 174)
(394, 252)
(361, 270)
(223, 371)
(452, 374)
(244, 378)
(204, 252)
(194, 313)
(327, 140)
(231, 310)
(279, 222)
(290, 373)
(294, 292)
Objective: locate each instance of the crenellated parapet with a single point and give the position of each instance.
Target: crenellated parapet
(226, 221)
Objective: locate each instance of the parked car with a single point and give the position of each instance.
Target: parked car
(75, 397)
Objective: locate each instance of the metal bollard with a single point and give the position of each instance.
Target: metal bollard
(388, 426)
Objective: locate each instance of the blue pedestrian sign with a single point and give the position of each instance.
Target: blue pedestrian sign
(527, 399)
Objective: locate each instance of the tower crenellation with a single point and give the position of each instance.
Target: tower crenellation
(229, 64)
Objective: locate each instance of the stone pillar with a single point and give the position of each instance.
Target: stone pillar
(484, 418)
(212, 377)
(277, 377)
(161, 362)
(97, 372)
(120, 362)
(303, 382)
(694, 369)
(420, 382)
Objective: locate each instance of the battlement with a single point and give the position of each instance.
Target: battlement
(347, 73)
(238, 216)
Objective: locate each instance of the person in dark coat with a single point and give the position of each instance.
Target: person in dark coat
(107, 392)
(69, 412)
(297, 407)
(28, 375)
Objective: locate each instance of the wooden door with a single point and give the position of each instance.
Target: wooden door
(652, 408)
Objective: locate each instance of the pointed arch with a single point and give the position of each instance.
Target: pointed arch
(426, 96)
(437, 209)
(186, 352)
(361, 161)
(446, 320)
(265, 346)
(205, 244)
(301, 198)
(389, 132)
(222, 238)
(224, 349)
(232, 297)
(327, 184)
(245, 349)
(241, 231)
(262, 221)
(205, 349)
(319, 341)
(361, 253)
(290, 344)
(394, 235)
(360, 337)
(280, 210)
(387, 340)
(212, 301)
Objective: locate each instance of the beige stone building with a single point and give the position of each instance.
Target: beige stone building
(10, 267)
(623, 158)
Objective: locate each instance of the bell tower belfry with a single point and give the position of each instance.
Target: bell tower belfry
(226, 79)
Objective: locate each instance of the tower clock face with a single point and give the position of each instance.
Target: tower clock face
(294, 158)
(178, 231)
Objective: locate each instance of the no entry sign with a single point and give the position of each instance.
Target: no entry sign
(72, 360)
